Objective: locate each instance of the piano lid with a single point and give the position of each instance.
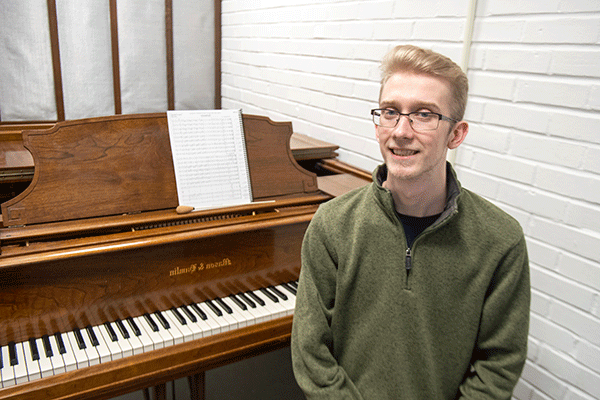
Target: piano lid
(123, 164)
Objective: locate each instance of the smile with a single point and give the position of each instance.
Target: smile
(404, 153)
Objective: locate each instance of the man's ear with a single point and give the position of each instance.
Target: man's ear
(458, 134)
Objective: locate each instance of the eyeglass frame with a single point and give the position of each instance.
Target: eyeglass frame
(440, 118)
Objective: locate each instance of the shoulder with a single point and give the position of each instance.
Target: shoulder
(343, 206)
(486, 219)
(340, 214)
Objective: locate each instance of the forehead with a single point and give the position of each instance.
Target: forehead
(406, 90)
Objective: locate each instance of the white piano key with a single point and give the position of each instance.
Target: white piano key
(46, 368)
(8, 373)
(218, 323)
(232, 323)
(80, 355)
(194, 325)
(276, 310)
(21, 367)
(113, 347)
(92, 353)
(186, 332)
(123, 343)
(32, 357)
(155, 338)
(262, 313)
(145, 338)
(244, 318)
(290, 302)
(56, 359)
(104, 352)
(166, 335)
(173, 330)
(133, 341)
(69, 359)
(33, 366)
(210, 325)
(282, 299)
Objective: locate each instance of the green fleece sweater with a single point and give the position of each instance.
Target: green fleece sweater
(446, 319)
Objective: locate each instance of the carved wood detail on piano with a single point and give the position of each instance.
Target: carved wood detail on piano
(123, 164)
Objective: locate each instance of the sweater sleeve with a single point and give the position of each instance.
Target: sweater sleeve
(501, 349)
(316, 370)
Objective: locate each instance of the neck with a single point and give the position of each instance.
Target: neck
(419, 198)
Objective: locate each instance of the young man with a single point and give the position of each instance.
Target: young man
(413, 287)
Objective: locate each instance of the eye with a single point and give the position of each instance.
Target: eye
(389, 113)
(423, 115)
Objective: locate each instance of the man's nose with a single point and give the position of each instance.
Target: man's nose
(403, 128)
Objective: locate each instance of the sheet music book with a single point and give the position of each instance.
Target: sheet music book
(209, 156)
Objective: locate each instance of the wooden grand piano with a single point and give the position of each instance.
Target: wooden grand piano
(93, 249)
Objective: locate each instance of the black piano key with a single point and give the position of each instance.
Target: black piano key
(111, 332)
(47, 346)
(122, 328)
(60, 344)
(12, 353)
(260, 301)
(247, 299)
(214, 308)
(134, 327)
(199, 311)
(35, 354)
(151, 322)
(189, 314)
(289, 288)
(79, 338)
(270, 295)
(278, 292)
(92, 336)
(179, 317)
(162, 320)
(238, 302)
(294, 284)
(1, 361)
(225, 307)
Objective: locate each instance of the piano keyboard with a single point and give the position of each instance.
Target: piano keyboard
(62, 352)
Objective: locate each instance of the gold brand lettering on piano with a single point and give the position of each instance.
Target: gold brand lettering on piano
(224, 263)
(189, 270)
(199, 267)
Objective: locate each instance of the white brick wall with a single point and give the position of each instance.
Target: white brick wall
(533, 147)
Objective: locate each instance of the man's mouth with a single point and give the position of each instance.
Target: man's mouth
(403, 152)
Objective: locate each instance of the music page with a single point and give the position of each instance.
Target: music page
(209, 156)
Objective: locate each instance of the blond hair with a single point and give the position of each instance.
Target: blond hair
(408, 58)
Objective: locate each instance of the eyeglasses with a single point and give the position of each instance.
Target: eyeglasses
(420, 121)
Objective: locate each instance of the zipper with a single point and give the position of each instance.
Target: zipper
(408, 266)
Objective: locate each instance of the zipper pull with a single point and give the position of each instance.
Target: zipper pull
(408, 262)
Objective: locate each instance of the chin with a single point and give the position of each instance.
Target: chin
(400, 172)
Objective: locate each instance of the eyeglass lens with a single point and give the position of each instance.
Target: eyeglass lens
(418, 120)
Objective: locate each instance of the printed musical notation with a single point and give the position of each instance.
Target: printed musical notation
(209, 157)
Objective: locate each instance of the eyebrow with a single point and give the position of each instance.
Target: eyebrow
(417, 106)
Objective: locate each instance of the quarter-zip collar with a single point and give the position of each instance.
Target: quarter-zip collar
(386, 202)
(384, 196)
